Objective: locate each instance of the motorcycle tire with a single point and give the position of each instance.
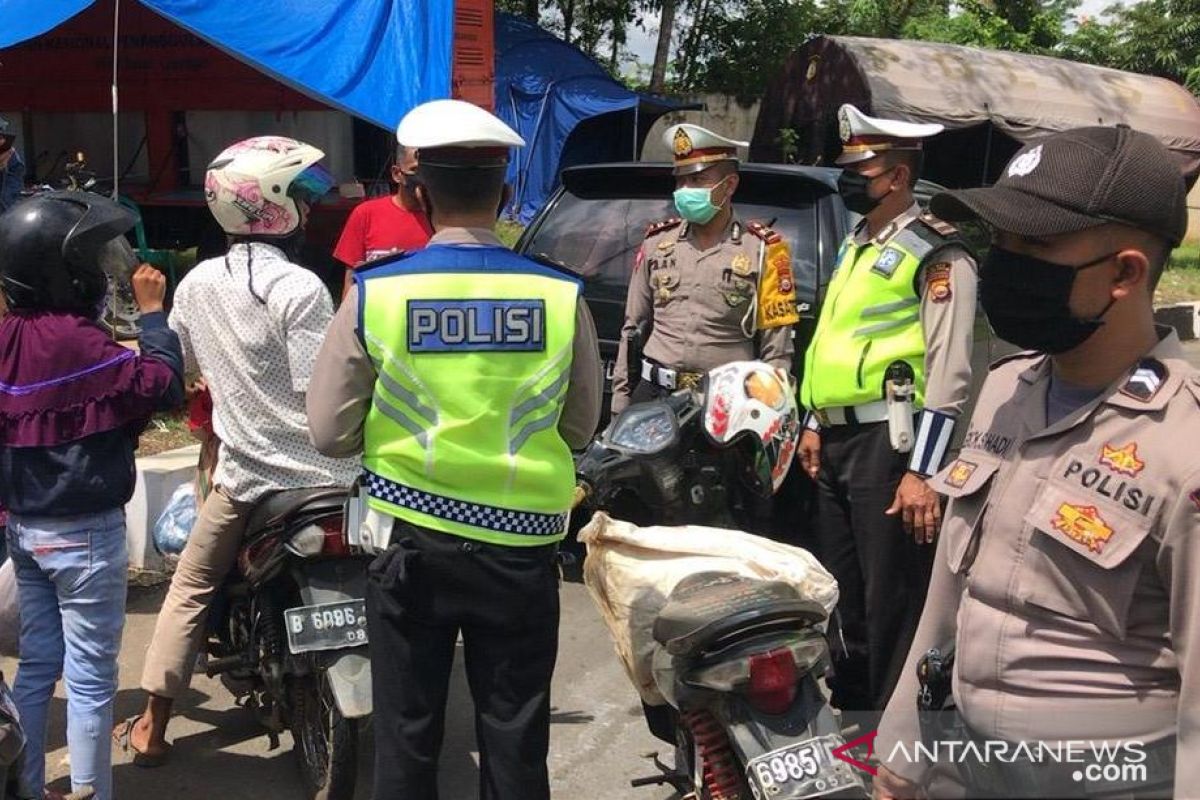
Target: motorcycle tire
(326, 743)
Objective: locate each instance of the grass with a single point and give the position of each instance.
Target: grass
(508, 232)
(166, 431)
(1181, 280)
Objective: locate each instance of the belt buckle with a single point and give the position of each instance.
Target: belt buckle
(688, 380)
(822, 417)
(667, 378)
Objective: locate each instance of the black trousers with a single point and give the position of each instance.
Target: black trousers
(881, 572)
(426, 589)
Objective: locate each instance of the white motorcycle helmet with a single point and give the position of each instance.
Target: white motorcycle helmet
(755, 402)
(253, 186)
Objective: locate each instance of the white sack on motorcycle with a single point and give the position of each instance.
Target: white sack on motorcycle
(630, 571)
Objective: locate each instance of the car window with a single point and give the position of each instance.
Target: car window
(598, 238)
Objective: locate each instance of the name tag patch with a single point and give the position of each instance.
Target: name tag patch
(443, 326)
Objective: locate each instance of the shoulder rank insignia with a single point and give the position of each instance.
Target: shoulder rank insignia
(1146, 380)
(665, 225)
(938, 224)
(768, 235)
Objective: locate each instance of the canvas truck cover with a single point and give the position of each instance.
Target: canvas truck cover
(630, 571)
(990, 101)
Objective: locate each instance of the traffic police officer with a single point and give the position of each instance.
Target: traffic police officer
(900, 306)
(1067, 577)
(707, 288)
(464, 374)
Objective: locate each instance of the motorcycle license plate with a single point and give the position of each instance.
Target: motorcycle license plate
(329, 626)
(798, 771)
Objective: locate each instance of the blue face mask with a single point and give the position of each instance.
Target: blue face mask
(696, 205)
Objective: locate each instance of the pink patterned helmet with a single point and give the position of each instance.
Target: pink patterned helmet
(753, 402)
(252, 187)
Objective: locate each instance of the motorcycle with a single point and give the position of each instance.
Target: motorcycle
(288, 634)
(738, 659)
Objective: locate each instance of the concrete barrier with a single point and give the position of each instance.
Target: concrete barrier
(1183, 317)
(157, 479)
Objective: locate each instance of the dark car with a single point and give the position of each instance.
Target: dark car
(596, 221)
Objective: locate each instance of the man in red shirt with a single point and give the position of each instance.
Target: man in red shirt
(385, 225)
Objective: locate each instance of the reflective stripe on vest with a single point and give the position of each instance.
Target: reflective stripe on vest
(462, 433)
(870, 319)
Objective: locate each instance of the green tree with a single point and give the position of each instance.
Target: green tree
(1155, 37)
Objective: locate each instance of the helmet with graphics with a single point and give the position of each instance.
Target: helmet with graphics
(753, 405)
(257, 187)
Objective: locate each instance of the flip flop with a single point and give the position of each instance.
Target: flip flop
(123, 736)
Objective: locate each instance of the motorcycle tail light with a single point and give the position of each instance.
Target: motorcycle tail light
(323, 538)
(335, 543)
(772, 680)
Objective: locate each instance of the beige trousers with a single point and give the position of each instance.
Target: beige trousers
(209, 554)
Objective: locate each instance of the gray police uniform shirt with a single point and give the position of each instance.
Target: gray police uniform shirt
(345, 377)
(1067, 574)
(694, 307)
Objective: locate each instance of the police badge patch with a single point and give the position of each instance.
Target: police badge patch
(887, 262)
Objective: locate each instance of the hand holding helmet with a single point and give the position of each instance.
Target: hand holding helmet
(149, 289)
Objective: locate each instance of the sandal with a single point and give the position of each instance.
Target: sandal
(123, 736)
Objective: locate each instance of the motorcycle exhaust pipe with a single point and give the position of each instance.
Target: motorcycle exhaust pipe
(225, 664)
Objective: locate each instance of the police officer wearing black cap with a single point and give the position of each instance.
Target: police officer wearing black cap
(1066, 584)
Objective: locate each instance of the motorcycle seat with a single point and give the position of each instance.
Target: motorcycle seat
(711, 606)
(277, 508)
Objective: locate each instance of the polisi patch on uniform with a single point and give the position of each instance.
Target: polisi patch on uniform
(1082, 524)
(446, 326)
(960, 473)
(1123, 460)
(887, 262)
(1127, 493)
(1146, 380)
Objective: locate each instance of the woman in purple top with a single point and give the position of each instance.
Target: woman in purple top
(72, 404)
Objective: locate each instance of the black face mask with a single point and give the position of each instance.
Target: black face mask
(855, 193)
(1027, 301)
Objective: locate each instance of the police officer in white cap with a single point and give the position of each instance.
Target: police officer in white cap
(893, 341)
(707, 288)
(463, 374)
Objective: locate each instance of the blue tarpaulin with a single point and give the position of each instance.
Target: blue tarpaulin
(375, 59)
(25, 19)
(567, 107)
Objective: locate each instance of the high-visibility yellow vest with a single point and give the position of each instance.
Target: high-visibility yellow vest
(870, 318)
(472, 346)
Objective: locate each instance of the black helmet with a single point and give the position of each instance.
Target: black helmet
(56, 250)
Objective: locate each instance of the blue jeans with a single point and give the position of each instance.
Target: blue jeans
(71, 580)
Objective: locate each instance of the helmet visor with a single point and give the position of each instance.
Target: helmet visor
(117, 259)
(311, 185)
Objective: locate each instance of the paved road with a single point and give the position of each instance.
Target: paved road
(598, 738)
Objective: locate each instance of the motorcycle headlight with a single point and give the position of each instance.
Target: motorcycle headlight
(644, 429)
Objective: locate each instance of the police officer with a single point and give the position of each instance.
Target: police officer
(464, 374)
(707, 288)
(1067, 578)
(900, 307)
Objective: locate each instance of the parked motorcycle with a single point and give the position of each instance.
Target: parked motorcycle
(738, 659)
(288, 634)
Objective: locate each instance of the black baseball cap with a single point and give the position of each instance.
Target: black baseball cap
(1080, 179)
